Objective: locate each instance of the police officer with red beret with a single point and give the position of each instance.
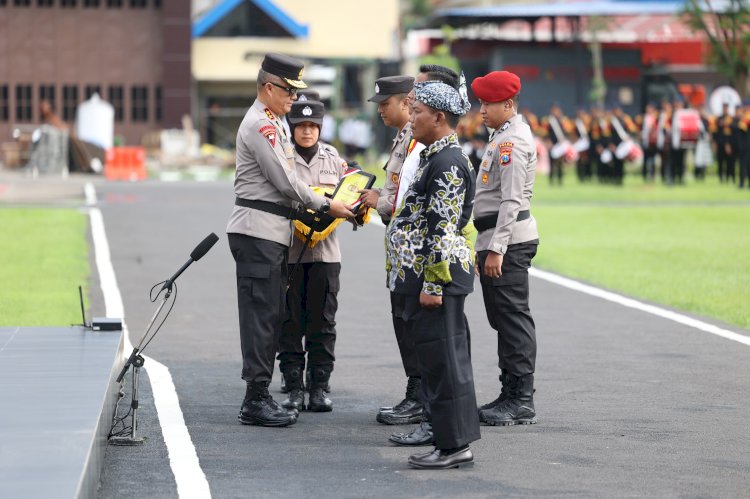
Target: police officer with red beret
(506, 243)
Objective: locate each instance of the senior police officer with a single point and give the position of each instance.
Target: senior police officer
(506, 243)
(391, 95)
(267, 189)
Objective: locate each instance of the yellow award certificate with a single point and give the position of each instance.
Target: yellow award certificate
(352, 182)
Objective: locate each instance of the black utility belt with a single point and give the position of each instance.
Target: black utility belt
(490, 221)
(268, 207)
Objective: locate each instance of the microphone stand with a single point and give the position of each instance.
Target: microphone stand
(136, 360)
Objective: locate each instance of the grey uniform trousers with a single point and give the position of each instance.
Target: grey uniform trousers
(506, 302)
(261, 286)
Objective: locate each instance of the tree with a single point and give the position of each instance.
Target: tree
(728, 33)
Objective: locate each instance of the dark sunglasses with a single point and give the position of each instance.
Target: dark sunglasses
(289, 90)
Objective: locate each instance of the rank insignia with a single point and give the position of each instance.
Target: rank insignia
(493, 145)
(506, 153)
(269, 114)
(394, 178)
(269, 132)
(485, 178)
(505, 126)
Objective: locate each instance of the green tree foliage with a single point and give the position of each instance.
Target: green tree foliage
(728, 32)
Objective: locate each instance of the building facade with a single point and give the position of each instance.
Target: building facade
(134, 53)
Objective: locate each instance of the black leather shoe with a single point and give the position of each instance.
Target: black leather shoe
(421, 435)
(442, 459)
(260, 409)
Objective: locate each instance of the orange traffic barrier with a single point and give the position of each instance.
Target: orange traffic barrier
(125, 163)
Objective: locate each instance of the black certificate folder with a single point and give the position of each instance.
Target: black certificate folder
(351, 183)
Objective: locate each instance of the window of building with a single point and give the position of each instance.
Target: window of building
(115, 97)
(114, 3)
(157, 103)
(22, 3)
(23, 103)
(68, 3)
(91, 90)
(91, 3)
(139, 103)
(45, 3)
(138, 4)
(70, 102)
(47, 92)
(4, 104)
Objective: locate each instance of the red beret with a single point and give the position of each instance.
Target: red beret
(496, 86)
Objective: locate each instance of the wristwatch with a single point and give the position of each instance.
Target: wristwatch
(325, 206)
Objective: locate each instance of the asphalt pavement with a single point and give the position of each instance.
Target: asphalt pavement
(629, 405)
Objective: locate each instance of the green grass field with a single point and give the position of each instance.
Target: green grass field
(43, 260)
(686, 247)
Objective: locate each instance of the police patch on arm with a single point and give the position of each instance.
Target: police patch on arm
(269, 132)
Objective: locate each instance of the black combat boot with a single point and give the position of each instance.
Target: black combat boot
(408, 411)
(518, 408)
(308, 381)
(318, 401)
(260, 409)
(296, 398)
(504, 389)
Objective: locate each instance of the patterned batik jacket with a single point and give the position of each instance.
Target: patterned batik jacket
(428, 247)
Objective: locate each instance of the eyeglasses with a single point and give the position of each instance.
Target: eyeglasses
(289, 90)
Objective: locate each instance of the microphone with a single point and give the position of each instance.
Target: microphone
(195, 255)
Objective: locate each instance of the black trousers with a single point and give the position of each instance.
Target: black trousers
(744, 168)
(555, 170)
(312, 302)
(726, 164)
(506, 301)
(677, 157)
(261, 282)
(405, 341)
(648, 167)
(442, 350)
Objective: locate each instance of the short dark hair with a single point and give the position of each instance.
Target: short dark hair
(452, 119)
(436, 72)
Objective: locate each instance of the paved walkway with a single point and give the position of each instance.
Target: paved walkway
(629, 404)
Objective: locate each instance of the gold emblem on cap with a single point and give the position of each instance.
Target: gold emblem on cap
(300, 73)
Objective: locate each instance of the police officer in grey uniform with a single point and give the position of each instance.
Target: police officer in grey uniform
(267, 191)
(312, 297)
(391, 94)
(506, 243)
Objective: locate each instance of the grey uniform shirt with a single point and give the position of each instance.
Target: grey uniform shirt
(324, 170)
(265, 171)
(399, 151)
(504, 185)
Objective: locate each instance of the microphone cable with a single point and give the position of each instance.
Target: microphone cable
(153, 299)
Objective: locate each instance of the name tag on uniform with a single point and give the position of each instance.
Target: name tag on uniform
(486, 164)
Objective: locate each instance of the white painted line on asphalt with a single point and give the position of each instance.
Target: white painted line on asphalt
(635, 304)
(183, 459)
